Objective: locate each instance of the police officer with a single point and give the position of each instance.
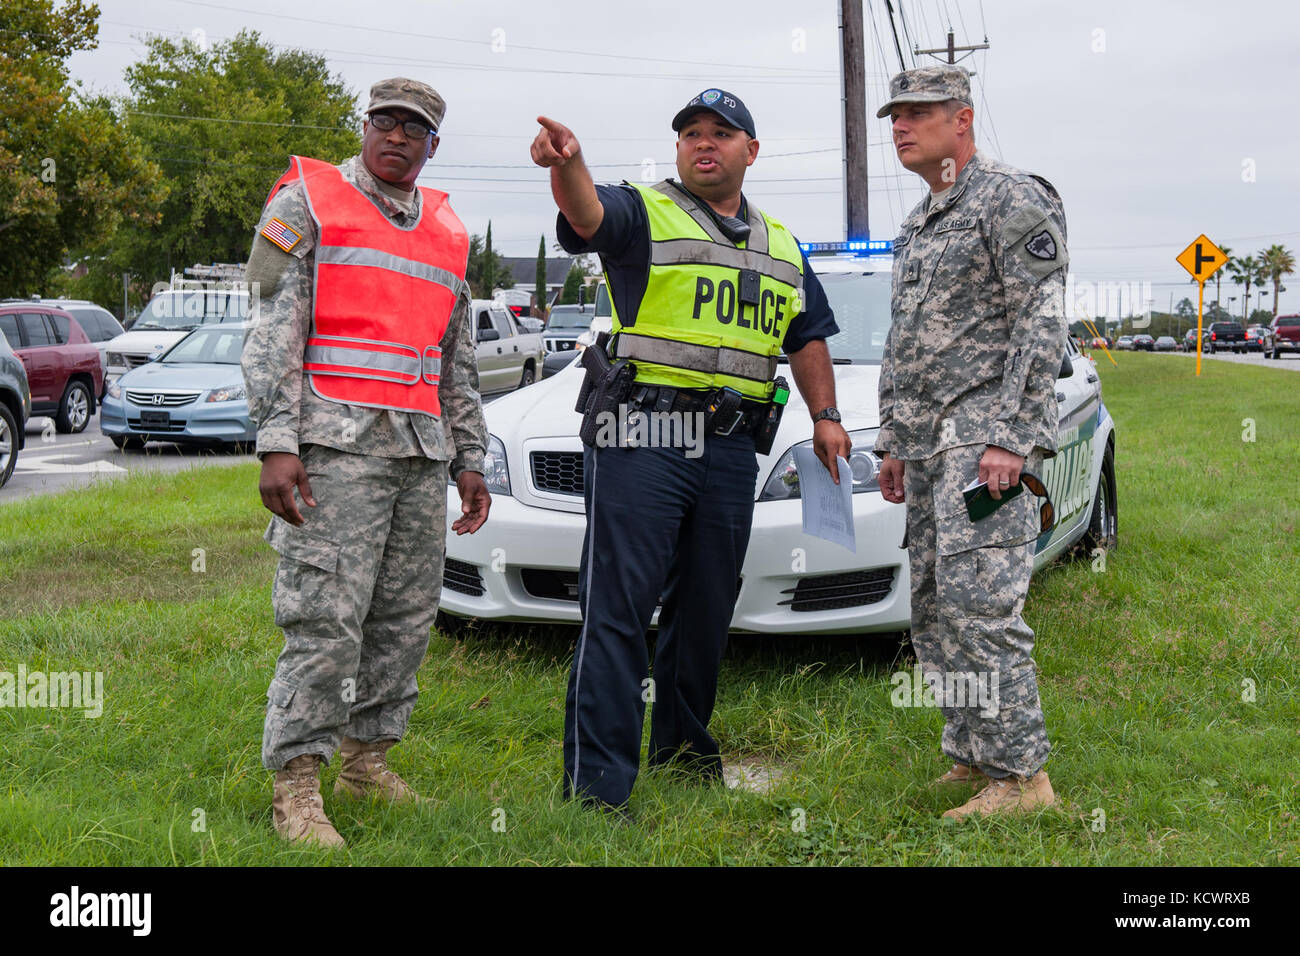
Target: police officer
(967, 391)
(706, 291)
(362, 380)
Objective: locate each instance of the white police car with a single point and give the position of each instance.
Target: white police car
(523, 564)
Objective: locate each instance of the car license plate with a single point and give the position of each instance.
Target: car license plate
(149, 419)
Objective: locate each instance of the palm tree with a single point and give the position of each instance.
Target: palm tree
(1248, 271)
(1277, 261)
(1218, 273)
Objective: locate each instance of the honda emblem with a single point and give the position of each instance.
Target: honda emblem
(157, 399)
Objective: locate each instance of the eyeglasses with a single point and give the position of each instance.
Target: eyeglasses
(1046, 514)
(385, 123)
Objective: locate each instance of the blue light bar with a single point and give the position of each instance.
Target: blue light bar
(862, 247)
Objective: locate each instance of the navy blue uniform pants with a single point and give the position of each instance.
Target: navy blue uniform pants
(659, 523)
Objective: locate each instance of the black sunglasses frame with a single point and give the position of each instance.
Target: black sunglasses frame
(406, 126)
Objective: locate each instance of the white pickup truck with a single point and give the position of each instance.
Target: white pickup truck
(508, 356)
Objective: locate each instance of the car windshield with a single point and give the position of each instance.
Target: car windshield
(570, 320)
(860, 301)
(187, 310)
(213, 346)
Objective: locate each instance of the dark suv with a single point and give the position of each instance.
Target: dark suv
(63, 366)
(15, 409)
(96, 321)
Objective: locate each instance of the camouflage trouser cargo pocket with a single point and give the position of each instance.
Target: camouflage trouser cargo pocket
(279, 711)
(988, 582)
(305, 577)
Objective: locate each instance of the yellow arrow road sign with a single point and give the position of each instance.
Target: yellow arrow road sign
(1202, 259)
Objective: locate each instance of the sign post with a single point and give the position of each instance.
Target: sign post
(1202, 259)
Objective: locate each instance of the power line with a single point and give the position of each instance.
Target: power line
(518, 46)
(441, 165)
(889, 7)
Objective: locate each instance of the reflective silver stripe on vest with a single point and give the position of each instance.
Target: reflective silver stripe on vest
(362, 256)
(708, 359)
(681, 252)
(432, 364)
(686, 202)
(407, 366)
(757, 241)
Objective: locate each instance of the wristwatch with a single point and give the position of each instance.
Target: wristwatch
(832, 414)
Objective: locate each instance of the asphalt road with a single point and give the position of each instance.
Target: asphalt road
(1289, 360)
(53, 462)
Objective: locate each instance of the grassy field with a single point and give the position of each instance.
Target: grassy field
(1143, 671)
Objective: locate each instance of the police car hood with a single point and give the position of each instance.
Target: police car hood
(541, 418)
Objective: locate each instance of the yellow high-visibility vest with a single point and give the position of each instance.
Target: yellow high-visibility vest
(691, 329)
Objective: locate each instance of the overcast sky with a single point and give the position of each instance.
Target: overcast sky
(1147, 115)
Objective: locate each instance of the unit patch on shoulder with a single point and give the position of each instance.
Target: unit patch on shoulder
(1041, 246)
(280, 233)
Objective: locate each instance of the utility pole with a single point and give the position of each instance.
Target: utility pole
(951, 49)
(853, 77)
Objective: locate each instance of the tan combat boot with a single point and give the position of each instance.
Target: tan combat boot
(297, 808)
(365, 772)
(1008, 795)
(960, 773)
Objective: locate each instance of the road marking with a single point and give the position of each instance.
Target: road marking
(44, 467)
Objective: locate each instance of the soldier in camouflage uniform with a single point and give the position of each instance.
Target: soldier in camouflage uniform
(967, 390)
(360, 570)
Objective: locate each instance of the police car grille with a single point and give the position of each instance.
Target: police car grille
(461, 577)
(167, 399)
(559, 472)
(831, 591)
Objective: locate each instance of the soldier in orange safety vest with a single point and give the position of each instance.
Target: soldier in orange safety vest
(360, 375)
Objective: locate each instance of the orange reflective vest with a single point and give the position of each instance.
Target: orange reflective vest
(383, 295)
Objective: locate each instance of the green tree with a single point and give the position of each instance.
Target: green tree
(70, 174)
(539, 281)
(222, 123)
(572, 283)
(1246, 272)
(488, 272)
(1215, 313)
(1277, 261)
(485, 271)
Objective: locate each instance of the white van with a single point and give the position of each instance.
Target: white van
(168, 318)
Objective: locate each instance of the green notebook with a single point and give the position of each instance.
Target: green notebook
(980, 504)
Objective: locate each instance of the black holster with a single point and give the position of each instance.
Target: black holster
(606, 386)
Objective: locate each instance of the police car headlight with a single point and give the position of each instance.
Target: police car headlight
(495, 471)
(783, 484)
(233, 394)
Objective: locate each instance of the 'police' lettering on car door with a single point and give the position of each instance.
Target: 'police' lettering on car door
(767, 316)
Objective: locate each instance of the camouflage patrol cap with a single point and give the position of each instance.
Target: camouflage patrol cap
(419, 98)
(929, 84)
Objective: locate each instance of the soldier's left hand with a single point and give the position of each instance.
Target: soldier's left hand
(1001, 469)
(474, 502)
(830, 441)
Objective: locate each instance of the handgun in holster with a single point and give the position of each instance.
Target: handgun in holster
(766, 431)
(605, 387)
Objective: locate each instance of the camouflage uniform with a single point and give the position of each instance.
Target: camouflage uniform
(357, 586)
(971, 360)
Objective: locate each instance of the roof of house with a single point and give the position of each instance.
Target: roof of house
(523, 269)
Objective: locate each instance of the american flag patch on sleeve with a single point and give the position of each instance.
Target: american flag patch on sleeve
(281, 234)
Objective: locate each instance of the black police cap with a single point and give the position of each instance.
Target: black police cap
(727, 105)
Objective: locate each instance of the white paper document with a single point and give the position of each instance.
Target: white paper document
(827, 507)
